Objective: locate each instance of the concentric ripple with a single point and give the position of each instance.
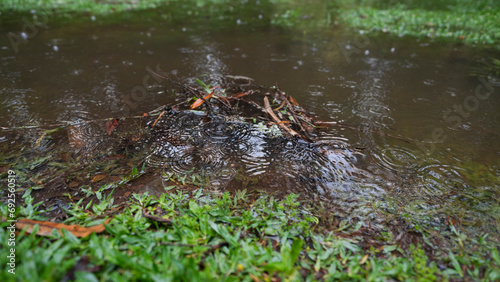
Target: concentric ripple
(242, 155)
(396, 159)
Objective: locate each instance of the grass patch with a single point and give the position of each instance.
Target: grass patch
(471, 22)
(81, 6)
(209, 237)
(467, 21)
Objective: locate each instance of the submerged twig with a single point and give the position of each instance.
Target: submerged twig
(269, 111)
(294, 115)
(161, 114)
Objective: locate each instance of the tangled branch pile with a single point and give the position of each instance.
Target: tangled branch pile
(251, 102)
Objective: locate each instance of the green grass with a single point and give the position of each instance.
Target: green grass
(468, 21)
(98, 7)
(231, 238)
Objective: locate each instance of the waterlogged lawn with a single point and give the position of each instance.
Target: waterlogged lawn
(468, 21)
(99, 7)
(201, 236)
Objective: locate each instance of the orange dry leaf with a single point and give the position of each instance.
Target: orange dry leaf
(284, 122)
(239, 95)
(46, 227)
(110, 125)
(293, 101)
(199, 102)
(98, 178)
(39, 141)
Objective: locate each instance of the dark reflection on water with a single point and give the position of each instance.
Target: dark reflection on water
(402, 87)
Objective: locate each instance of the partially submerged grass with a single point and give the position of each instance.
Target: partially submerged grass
(468, 21)
(211, 237)
(98, 7)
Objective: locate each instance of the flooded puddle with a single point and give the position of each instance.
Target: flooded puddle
(417, 123)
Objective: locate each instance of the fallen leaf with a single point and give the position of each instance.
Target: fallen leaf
(46, 227)
(239, 95)
(293, 101)
(76, 136)
(199, 102)
(363, 259)
(98, 178)
(110, 126)
(39, 141)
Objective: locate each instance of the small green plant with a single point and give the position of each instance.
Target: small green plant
(288, 18)
(423, 270)
(30, 210)
(214, 237)
(205, 86)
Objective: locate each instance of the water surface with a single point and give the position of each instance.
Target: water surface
(420, 119)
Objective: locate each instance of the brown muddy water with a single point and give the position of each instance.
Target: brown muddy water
(417, 133)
